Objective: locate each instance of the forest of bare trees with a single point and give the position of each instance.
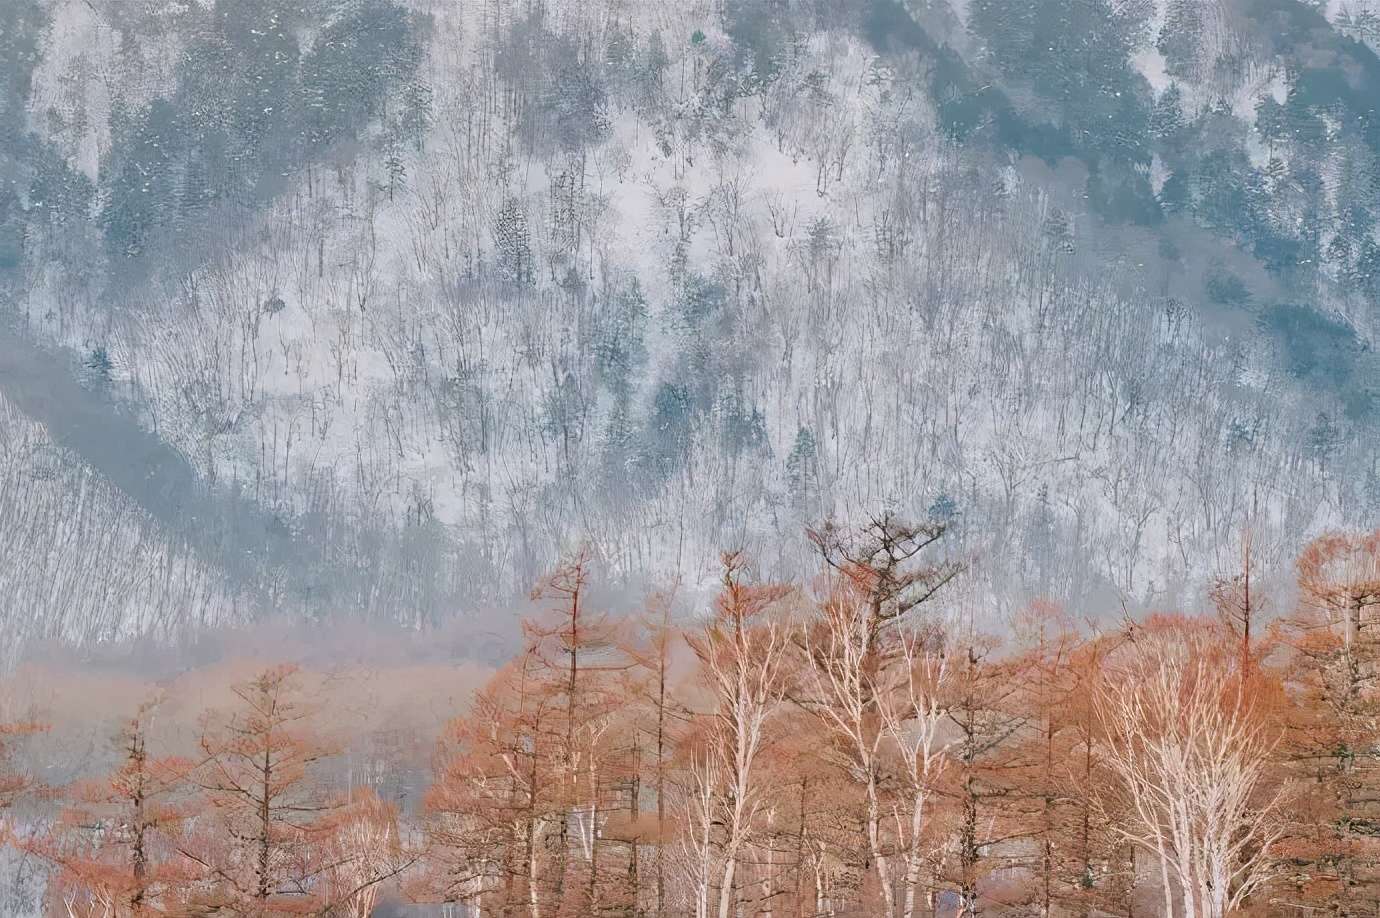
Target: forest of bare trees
(845, 745)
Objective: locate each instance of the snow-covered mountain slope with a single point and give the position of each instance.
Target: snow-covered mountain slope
(83, 562)
(672, 278)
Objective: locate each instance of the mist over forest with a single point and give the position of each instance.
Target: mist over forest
(331, 330)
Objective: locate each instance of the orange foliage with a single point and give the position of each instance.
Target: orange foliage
(848, 747)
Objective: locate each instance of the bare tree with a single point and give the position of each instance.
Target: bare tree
(742, 654)
(853, 645)
(842, 690)
(880, 561)
(1238, 599)
(1190, 751)
(362, 850)
(914, 715)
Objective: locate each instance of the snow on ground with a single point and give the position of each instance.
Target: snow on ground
(353, 351)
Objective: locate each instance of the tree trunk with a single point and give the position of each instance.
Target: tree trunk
(917, 825)
(874, 842)
(265, 825)
(533, 898)
(726, 887)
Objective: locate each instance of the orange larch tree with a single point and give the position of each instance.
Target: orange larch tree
(580, 658)
(1047, 742)
(495, 799)
(534, 784)
(114, 844)
(1331, 853)
(659, 717)
(1095, 867)
(994, 814)
(263, 834)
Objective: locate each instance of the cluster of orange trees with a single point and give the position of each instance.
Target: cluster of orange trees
(839, 747)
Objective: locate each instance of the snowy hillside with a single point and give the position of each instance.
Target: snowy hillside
(444, 290)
